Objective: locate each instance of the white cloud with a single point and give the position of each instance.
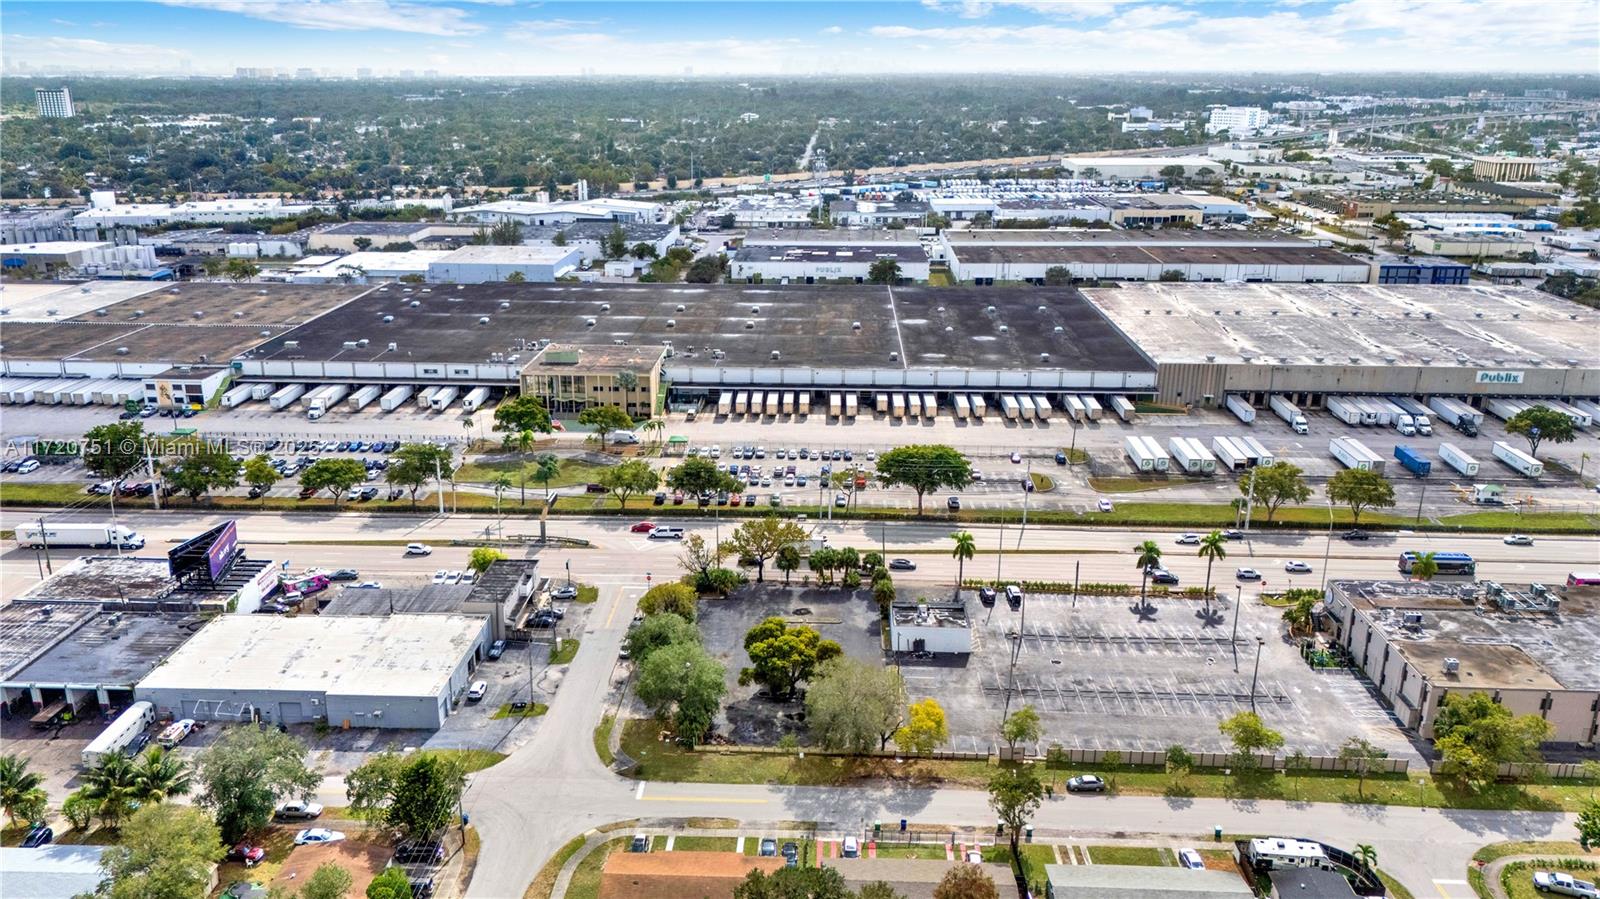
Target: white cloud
(536, 29)
(347, 15)
(86, 54)
(1061, 9)
(1152, 17)
(833, 29)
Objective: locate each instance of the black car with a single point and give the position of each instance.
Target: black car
(40, 835)
(640, 844)
(1356, 535)
(344, 574)
(1233, 534)
(1163, 576)
(396, 493)
(661, 498)
(1061, 458)
(257, 492)
(369, 493)
(986, 595)
(137, 745)
(791, 853)
(902, 565)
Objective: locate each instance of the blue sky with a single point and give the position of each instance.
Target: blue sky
(512, 37)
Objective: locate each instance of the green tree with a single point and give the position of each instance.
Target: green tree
(1148, 557)
(1022, 725)
(259, 473)
(1213, 546)
(362, 243)
(523, 412)
(1360, 490)
(925, 729)
(1536, 424)
(328, 881)
(78, 809)
(560, 239)
(699, 559)
(545, 469)
(1367, 855)
(788, 561)
(616, 243)
(1589, 826)
(1172, 173)
(966, 881)
(241, 269)
(1250, 737)
(698, 475)
(113, 785)
(782, 656)
(1015, 794)
(632, 477)
(1425, 568)
(883, 271)
(1299, 616)
(1476, 735)
(413, 465)
(762, 538)
(707, 270)
(164, 852)
(671, 598)
(334, 475)
(643, 250)
(1295, 763)
(793, 883)
(392, 883)
(657, 631)
(924, 468)
(414, 794)
(204, 470)
(246, 772)
(1173, 274)
(160, 774)
(604, 420)
(1179, 761)
(683, 681)
(878, 889)
(1360, 756)
(482, 557)
(22, 795)
(213, 266)
(114, 451)
(1276, 484)
(855, 706)
(1057, 276)
(966, 547)
(516, 277)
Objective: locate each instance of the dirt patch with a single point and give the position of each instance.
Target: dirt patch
(364, 860)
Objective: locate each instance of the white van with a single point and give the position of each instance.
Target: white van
(622, 437)
(477, 691)
(666, 533)
(851, 848)
(1013, 596)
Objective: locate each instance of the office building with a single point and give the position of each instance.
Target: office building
(54, 102)
(1237, 120)
(1506, 168)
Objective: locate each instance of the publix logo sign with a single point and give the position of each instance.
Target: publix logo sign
(1499, 377)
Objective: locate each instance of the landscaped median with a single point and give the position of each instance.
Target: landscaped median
(1485, 858)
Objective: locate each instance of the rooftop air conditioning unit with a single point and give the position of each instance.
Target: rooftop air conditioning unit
(414, 303)
(775, 354)
(483, 319)
(393, 346)
(605, 307)
(1451, 665)
(387, 319)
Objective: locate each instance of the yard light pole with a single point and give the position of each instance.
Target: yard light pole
(1260, 642)
(1327, 551)
(1234, 640)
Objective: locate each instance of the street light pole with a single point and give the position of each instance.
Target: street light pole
(1260, 642)
(1234, 640)
(1327, 551)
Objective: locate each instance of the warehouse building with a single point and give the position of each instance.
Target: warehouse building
(813, 263)
(590, 238)
(488, 263)
(877, 213)
(1142, 882)
(1421, 641)
(989, 257)
(1419, 270)
(527, 212)
(1136, 167)
(1436, 243)
(1308, 340)
(353, 237)
(395, 671)
(368, 266)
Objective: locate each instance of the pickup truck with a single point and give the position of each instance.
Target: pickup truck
(1563, 884)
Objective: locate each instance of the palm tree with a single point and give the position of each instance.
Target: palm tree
(114, 786)
(19, 787)
(1367, 854)
(466, 424)
(501, 484)
(628, 381)
(1213, 546)
(545, 468)
(1425, 567)
(161, 775)
(965, 549)
(1149, 557)
(654, 427)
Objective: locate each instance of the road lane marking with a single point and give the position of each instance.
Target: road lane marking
(615, 602)
(639, 793)
(702, 799)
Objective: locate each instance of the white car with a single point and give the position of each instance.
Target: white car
(453, 577)
(1016, 458)
(1518, 540)
(28, 467)
(440, 575)
(418, 549)
(1297, 567)
(313, 835)
(1189, 540)
(1247, 574)
(304, 811)
(1188, 858)
(1106, 505)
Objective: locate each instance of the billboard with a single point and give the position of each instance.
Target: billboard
(220, 554)
(204, 559)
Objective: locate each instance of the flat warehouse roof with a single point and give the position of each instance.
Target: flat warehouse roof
(1180, 236)
(1361, 324)
(111, 649)
(384, 228)
(27, 631)
(52, 301)
(954, 327)
(831, 253)
(398, 655)
(1156, 255)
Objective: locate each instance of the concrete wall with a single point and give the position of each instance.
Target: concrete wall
(412, 712)
(935, 639)
(822, 271)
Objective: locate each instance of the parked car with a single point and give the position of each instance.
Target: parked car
(641, 843)
(1247, 574)
(246, 854)
(1106, 505)
(368, 494)
(1061, 458)
(297, 811)
(176, 732)
(314, 835)
(986, 595)
(1016, 458)
(1189, 858)
(569, 592)
(1086, 783)
(953, 504)
(660, 498)
(38, 835)
(791, 854)
(477, 691)
(1297, 567)
(769, 848)
(136, 745)
(497, 649)
(418, 549)
(851, 848)
(440, 575)
(1518, 540)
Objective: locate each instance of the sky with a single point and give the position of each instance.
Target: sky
(513, 37)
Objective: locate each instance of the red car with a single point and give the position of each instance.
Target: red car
(248, 854)
(643, 527)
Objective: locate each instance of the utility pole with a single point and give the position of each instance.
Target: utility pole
(438, 481)
(1234, 640)
(1260, 642)
(1250, 501)
(1000, 553)
(1420, 500)
(1027, 489)
(44, 539)
(150, 465)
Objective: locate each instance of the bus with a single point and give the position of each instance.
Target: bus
(1583, 579)
(1449, 563)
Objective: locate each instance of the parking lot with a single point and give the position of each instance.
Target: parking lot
(1107, 673)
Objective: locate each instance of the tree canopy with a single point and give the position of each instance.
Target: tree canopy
(164, 852)
(414, 794)
(854, 705)
(629, 479)
(1277, 484)
(924, 469)
(1361, 490)
(763, 537)
(523, 412)
(682, 681)
(782, 656)
(1475, 735)
(246, 772)
(1537, 424)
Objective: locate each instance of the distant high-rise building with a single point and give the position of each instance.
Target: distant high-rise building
(583, 190)
(363, 73)
(430, 73)
(305, 74)
(408, 73)
(54, 102)
(1544, 93)
(1237, 120)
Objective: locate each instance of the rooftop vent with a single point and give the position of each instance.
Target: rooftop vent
(122, 351)
(1211, 357)
(363, 343)
(894, 357)
(483, 319)
(505, 304)
(102, 312)
(1041, 308)
(1147, 312)
(672, 323)
(775, 354)
(1005, 329)
(749, 324)
(138, 313)
(588, 323)
(238, 313)
(855, 326)
(1477, 315)
(680, 307)
(1059, 330)
(291, 344)
(393, 346)
(414, 303)
(605, 307)
(1428, 316)
(1044, 357)
(755, 310)
(199, 313)
(989, 309)
(387, 319)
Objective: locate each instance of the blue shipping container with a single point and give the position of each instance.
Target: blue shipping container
(1413, 461)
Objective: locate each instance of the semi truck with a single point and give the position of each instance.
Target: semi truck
(443, 397)
(1259, 455)
(1413, 461)
(363, 398)
(1457, 414)
(1418, 413)
(758, 401)
(1355, 454)
(260, 391)
(1009, 405)
(979, 407)
(1459, 460)
(286, 396)
(1229, 454)
(395, 398)
(1240, 408)
(1075, 409)
(1042, 407)
(1505, 409)
(425, 397)
(1091, 407)
(1143, 459)
(86, 535)
(1289, 412)
(897, 406)
(1404, 424)
(474, 399)
(913, 405)
(238, 396)
(114, 740)
(1123, 407)
(963, 408)
(328, 398)
(741, 402)
(1526, 465)
(1343, 409)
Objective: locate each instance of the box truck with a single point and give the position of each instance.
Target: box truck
(1140, 454)
(474, 399)
(395, 398)
(1412, 461)
(363, 398)
(1123, 407)
(114, 740)
(1240, 408)
(1459, 460)
(1525, 464)
(1289, 412)
(237, 396)
(86, 535)
(1229, 454)
(443, 397)
(284, 397)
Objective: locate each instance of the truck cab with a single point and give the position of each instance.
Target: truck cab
(1563, 885)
